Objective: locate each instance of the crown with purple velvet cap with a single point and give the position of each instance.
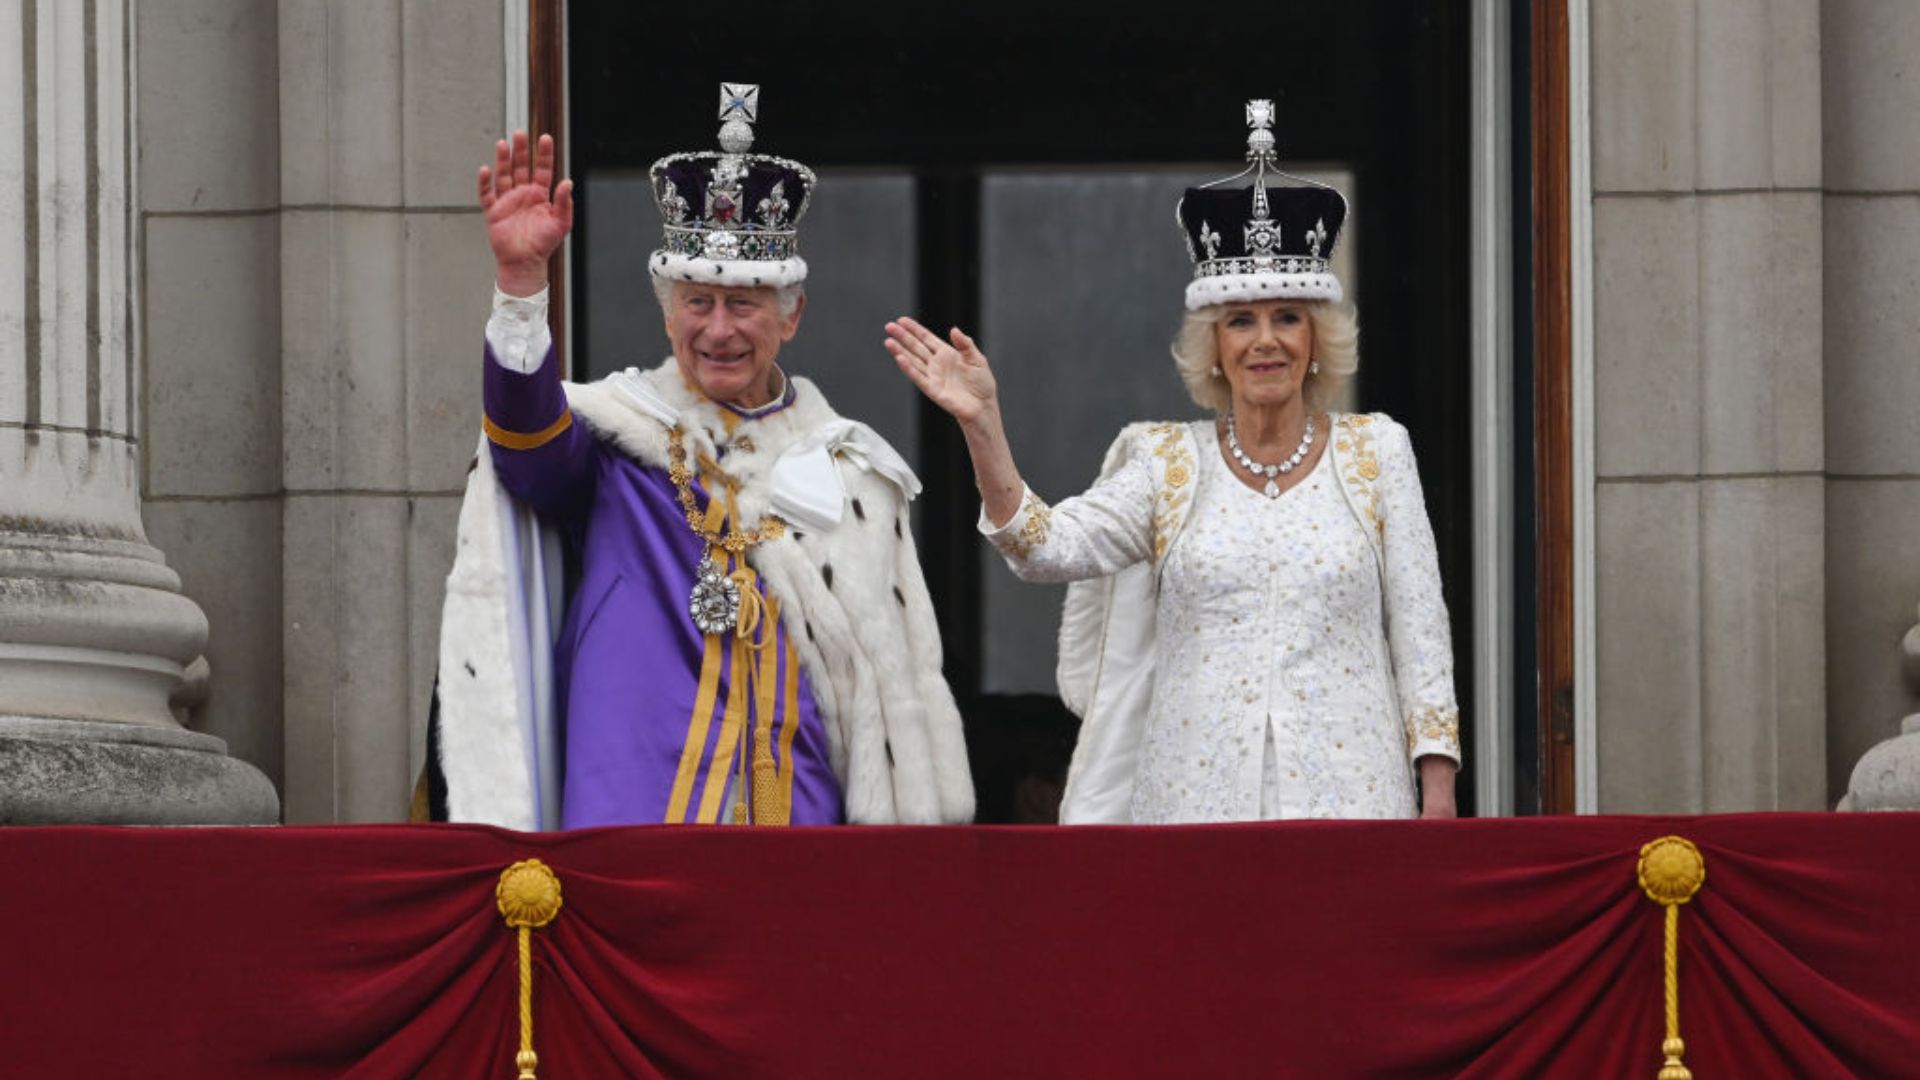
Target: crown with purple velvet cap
(731, 216)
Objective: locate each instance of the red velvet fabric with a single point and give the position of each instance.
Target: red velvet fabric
(1516, 948)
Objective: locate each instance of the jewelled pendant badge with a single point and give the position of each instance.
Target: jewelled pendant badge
(715, 601)
(718, 598)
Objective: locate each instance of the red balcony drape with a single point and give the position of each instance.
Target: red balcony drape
(1519, 948)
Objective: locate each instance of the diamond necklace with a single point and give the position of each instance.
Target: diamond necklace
(1272, 490)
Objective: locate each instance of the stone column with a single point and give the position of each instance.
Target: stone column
(95, 637)
(1711, 502)
(386, 281)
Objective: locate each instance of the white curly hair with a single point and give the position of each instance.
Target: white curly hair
(788, 296)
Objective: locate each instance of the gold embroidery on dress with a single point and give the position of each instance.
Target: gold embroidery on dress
(1433, 722)
(1172, 449)
(1355, 445)
(1033, 532)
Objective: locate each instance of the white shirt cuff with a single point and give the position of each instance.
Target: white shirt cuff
(517, 332)
(985, 525)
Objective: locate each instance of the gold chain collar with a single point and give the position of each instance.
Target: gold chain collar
(733, 541)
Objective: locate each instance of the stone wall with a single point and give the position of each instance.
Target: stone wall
(1871, 195)
(316, 280)
(1708, 324)
(208, 87)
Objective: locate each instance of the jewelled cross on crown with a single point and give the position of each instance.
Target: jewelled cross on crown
(1260, 150)
(740, 100)
(1262, 233)
(739, 111)
(739, 108)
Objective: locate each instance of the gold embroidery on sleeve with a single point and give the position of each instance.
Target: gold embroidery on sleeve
(1434, 723)
(1172, 449)
(1032, 533)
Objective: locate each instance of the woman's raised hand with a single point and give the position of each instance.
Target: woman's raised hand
(955, 375)
(527, 216)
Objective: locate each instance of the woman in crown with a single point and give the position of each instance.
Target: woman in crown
(1256, 628)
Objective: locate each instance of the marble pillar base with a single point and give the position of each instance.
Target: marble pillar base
(72, 772)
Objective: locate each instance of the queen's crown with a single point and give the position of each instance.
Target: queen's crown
(1264, 240)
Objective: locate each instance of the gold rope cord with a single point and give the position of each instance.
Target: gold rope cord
(1671, 871)
(764, 663)
(709, 808)
(755, 664)
(529, 897)
(755, 676)
(751, 691)
(526, 1059)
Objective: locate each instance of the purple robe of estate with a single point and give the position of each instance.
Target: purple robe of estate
(653, 713)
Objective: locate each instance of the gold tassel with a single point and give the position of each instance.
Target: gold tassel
(1671, 871)
(756, 664)
(769, 808)
(528, 896)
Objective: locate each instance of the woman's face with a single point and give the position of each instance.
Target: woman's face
(1264, 349)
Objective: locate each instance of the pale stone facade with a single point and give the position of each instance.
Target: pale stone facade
(1708, 391)
(1871, 135)
(316, 277)
(308, 276)
(1756, 214)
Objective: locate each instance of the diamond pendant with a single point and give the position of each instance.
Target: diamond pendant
(715, 602)
(1272, 490)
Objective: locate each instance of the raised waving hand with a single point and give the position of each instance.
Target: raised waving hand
(954, 376)
(527, 215)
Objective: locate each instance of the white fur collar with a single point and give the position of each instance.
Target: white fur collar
(792, 450)
(634, 408)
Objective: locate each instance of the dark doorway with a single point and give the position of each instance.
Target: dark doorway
(944, 111)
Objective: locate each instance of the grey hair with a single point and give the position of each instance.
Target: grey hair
(786, 296)
(1336, 345)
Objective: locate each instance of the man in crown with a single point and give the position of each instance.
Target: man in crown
(747, 637)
